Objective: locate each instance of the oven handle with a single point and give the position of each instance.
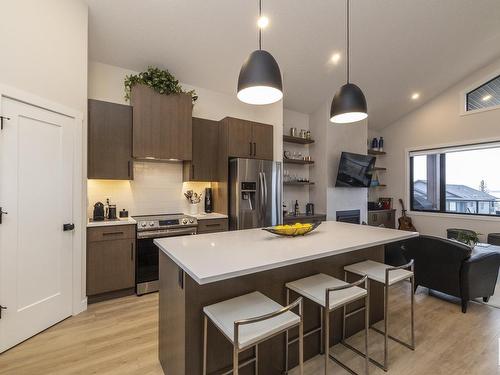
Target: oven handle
(151, 234)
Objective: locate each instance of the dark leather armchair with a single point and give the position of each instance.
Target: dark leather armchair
(453, 268)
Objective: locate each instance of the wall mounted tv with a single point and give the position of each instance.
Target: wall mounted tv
(355, 170)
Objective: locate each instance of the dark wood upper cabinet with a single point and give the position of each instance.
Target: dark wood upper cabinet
(248, 139)
(203, 167)
(162, 124)
(109, 141)
(262, 141)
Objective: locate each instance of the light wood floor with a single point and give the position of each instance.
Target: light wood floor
(120, 337)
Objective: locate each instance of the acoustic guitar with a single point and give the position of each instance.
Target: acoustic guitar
(404, 222)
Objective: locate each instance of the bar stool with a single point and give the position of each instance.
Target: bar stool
(248, 320)
(388, 276)
(330, 294)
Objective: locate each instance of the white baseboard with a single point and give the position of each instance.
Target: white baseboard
(81, 308)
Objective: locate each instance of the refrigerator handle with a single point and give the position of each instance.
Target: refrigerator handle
(261, 193)
(265, 195)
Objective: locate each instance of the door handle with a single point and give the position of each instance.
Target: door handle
(2, 212)
(254, 149)
(250, 143)
(2, 308)
(68, 226)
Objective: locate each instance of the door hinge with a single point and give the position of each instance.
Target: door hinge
(68, 226)
(2, 212)
(1, 121)
(2, 308)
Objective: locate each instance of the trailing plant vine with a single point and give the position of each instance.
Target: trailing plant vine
(162, 81)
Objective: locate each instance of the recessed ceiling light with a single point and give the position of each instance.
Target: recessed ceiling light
(335, 58)
(263, 22)
(486, 98)
(415, 96)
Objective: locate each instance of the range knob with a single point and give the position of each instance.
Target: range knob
(191, 221)
(143, 224)
(151, 223)
(184, 221)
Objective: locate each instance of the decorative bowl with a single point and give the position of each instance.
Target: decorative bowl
(293, 230)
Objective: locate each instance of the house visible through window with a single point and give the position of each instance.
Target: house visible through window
(485, 96)
(461, 180)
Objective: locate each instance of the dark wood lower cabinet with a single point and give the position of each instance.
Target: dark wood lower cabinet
(385, 218)
(110, 262)
(212, 225)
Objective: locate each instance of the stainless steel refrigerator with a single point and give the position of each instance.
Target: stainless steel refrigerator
(255, 193)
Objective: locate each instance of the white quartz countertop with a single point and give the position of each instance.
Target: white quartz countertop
(213, 215)
(105, 223)
(219, 256)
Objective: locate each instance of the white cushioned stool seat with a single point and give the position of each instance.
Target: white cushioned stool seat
(376, 271)
(225, 313)
(314, 288)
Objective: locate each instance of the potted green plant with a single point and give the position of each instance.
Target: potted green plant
(469, 238)
(161, 81)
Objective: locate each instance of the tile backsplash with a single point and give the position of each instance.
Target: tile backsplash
(156, 188)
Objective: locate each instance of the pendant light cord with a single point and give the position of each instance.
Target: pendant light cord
(348, 42)
(260, 28)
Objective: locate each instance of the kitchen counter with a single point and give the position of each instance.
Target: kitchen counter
(196, 271)
(227, 255)
(105, 223)
(213, 215)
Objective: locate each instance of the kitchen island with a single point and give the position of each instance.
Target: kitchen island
(196, 271)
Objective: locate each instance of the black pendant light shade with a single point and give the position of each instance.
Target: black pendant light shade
(348, 105)
(259, 81)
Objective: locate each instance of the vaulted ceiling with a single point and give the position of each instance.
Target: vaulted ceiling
(397, 46)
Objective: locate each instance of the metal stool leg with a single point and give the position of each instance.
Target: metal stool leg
(287, 334)
(386, 321)
(205, 324)
(235, 360)
(326, 329)
(256, 363)
(412, 311)
(367, 329)
(301, 340)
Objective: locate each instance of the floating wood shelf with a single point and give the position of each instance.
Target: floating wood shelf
(298, 161)
(298, 183)
(379, 186)
(299, 140)
(375, 152)
(379, 168)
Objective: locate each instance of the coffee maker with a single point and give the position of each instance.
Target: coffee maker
(209, 203)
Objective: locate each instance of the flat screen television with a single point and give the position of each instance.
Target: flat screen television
(355, 170)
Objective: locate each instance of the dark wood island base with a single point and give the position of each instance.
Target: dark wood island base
(182, 300)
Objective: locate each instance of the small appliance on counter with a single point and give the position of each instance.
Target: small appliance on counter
(310, 209)
(98, 214)
(209, 205)
(123, 213)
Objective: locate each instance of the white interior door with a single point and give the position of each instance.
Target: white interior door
(36, 162)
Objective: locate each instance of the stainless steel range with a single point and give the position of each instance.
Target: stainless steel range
(150, 227)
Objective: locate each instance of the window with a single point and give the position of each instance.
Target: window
(457, 180)
(485, 96)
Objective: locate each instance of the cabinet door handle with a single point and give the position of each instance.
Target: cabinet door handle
(112, 233)
(254, 149)
(213, 225)
(132, 251)
(250, 143)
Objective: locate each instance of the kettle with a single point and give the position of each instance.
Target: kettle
(98, 212)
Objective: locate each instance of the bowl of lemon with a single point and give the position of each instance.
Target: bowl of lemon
(297, 229)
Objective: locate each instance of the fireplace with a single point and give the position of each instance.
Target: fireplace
(349, 216)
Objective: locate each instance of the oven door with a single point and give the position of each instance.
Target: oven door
(147, 260)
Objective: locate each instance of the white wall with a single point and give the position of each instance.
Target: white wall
(158, 187)
(331, 140)
(43, 49)
(436, 123)
(293, 119)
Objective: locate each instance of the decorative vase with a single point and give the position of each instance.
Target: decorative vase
(194, 208)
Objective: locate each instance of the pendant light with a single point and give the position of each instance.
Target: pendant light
(259, 81)
(349, 103)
